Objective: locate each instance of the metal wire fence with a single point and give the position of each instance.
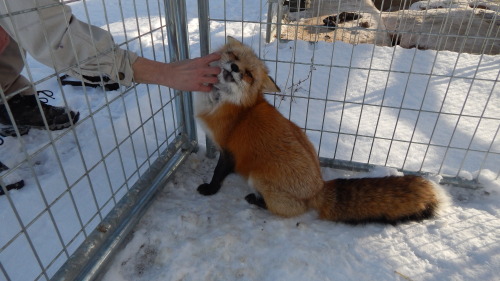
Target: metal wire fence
(85, 185)
(415, 87)
(403, 84)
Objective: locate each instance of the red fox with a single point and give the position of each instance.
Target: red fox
(276, 158)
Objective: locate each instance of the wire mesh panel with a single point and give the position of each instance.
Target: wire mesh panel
(406, 84)
(116, 139)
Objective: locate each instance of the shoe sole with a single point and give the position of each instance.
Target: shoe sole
(56, 127)
(17, 185)
(9, 131)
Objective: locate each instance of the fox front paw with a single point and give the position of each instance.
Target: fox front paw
(257, 200)
(208, 189)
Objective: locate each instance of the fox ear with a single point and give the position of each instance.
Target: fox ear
(231, 40)
(269, 86)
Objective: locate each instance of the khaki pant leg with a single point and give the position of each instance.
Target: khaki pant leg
(11, 65)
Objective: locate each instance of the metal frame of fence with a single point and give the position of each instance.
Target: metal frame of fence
(83, 255)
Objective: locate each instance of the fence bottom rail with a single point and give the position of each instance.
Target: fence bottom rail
(100, 246)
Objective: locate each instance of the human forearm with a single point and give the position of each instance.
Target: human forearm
(187, 75)
(149, 72)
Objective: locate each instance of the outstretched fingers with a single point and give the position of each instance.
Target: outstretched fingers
(210, 58)
(204, 88)
(208, 73)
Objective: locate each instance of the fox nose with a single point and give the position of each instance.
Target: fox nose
(227, 76)
(235, 68)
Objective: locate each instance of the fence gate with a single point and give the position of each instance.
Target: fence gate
(411, 85)
(87, 185)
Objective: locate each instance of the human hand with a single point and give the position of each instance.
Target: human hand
(193, 74)
(187, 75)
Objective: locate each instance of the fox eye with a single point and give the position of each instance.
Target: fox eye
(249, 74)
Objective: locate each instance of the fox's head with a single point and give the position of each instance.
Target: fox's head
(243, 77)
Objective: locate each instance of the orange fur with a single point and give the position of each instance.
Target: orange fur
(279, 161)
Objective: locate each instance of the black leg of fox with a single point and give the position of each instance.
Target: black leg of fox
(225, 166)
(256, 199)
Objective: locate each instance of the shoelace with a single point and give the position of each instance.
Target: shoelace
(47, 93)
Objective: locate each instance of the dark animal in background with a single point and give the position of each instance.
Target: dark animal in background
(332, 21)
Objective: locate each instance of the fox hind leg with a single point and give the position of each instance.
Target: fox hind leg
(282, 204)
(256, 199)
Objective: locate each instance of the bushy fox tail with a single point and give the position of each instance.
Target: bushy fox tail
(385, 200)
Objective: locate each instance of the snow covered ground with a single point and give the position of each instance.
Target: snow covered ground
(186, 236)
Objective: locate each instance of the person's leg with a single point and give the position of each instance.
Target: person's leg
(21, 97)
(11, 65)
(18, 103)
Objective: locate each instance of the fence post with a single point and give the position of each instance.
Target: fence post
(270, 16)
(178, 43)
(88, 261)
(204, 26)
